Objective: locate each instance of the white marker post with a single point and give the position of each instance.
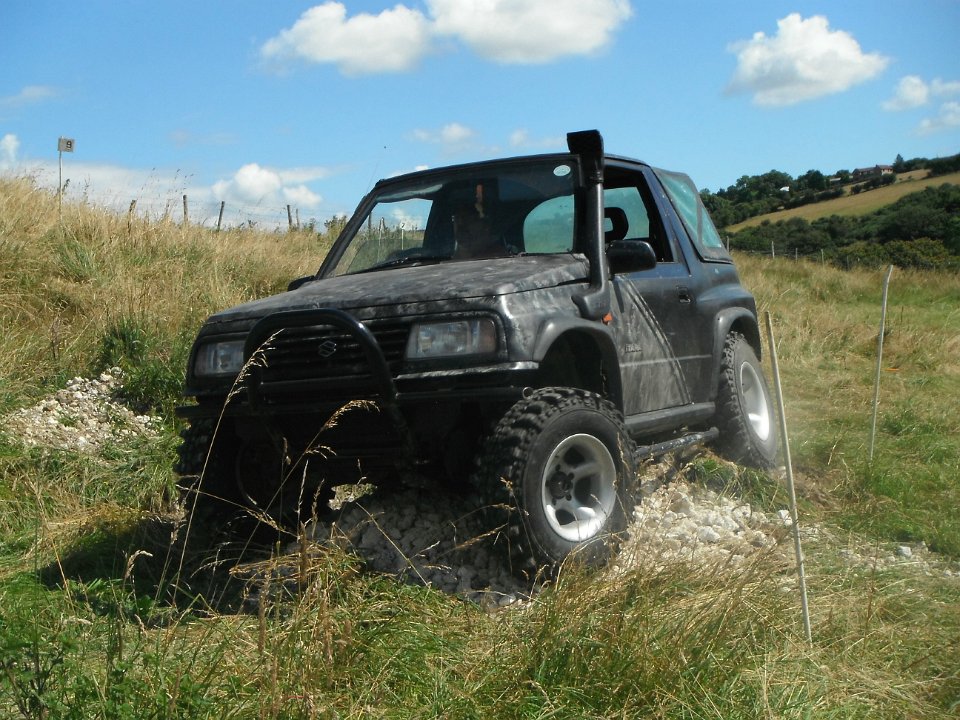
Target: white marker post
(63, 145)
(791, 487)
(876, 380)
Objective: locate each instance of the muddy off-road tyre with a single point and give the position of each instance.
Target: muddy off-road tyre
(745, 415)
(565, 469)
(206, 479)
(242, 478)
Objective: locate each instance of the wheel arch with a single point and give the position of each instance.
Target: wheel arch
(579, 354)
(738, 319)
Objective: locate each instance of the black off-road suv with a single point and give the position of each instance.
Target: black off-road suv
(529, 327)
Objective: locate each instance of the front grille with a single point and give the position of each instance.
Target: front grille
(329, 359)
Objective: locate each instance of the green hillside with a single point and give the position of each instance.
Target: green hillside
(851, 205)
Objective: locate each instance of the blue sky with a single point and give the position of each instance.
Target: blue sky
(262, 103)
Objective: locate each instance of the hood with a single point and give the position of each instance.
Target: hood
(421, 284)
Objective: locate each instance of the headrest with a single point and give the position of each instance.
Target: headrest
(618, 224)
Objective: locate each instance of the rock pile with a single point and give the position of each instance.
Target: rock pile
(428, 537)
(81, 417)
(681, 522)
(446, 543)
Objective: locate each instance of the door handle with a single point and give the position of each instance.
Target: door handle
(683, 293)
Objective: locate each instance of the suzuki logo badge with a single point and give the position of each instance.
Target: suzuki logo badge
(327, 348)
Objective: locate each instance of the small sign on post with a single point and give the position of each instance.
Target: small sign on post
(63, 145)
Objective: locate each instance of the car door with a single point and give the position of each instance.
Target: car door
(663, 346)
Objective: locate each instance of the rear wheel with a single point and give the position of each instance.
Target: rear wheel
(566, 466)
(745, 415)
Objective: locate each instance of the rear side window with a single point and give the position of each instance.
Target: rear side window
(686, 201)
(633, 203)
(628, 199)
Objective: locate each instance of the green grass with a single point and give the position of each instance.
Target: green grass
(827, 323)
(110, 609)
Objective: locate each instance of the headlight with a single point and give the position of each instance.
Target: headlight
(477, 336)
(219, 358)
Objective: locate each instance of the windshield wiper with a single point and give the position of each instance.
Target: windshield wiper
(408, 260)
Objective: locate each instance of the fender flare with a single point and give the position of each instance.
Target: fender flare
(743, 321)
(554, 329)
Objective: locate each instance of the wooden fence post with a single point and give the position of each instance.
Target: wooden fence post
(220, 216)
(186, 218)
(130, 211)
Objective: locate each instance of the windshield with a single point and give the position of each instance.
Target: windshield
(474, 212)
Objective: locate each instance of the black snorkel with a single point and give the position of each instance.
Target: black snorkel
(594, 303)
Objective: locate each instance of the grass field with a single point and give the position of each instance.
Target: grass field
(109, 608)
(854, 205)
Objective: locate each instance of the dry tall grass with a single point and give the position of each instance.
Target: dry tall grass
(67, 285)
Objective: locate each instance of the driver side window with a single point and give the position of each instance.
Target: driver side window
(631, 201)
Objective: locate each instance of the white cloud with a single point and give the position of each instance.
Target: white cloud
(28, 95)
(9, 146)
(520, 138)
(941, 88)
(530, 31)
(803, 61)
(396, 40)
(911, 92)
(455, 133)
(453, 137)
(914, 92)
(456, 139)
(303, 174)
(393, 41)
(947, 119)
(301, 196)
(253, 185)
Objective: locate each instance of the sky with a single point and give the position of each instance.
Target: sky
(261, 104)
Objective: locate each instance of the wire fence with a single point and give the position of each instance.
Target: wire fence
(221, 214)
(156, 200)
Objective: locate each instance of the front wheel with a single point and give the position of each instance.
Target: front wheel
(745, 415)
(566, 462)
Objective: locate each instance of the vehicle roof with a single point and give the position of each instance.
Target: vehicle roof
(517, 159)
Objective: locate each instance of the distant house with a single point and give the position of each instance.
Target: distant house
(872, 172)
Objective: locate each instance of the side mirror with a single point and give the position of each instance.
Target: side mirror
(627, 256)
(294, 284)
